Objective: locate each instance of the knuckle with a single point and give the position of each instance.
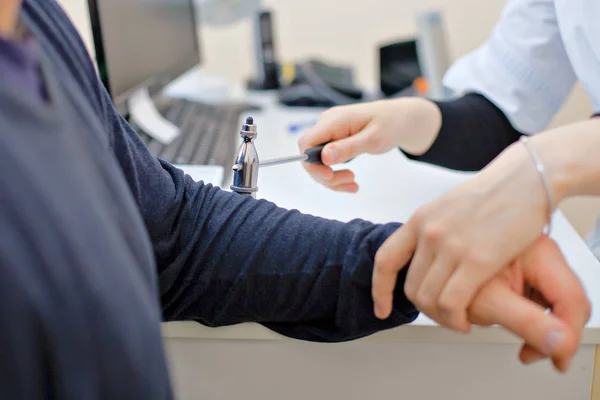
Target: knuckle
(375, 140)
(383, 262)
(433, 233)
(448, 304)
(454, 246)
(457, 320)
(476, 316)
(419, 217)
(424, 300)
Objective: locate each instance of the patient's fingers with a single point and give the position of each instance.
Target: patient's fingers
(556, 334)
(547, 271)
(529, 355)
(498, 304)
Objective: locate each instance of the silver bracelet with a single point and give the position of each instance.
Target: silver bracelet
(542, 172)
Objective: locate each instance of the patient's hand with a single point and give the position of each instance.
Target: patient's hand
(518, 297)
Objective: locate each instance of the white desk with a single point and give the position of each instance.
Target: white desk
(417, 361)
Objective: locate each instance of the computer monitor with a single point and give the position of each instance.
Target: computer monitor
(143, 42)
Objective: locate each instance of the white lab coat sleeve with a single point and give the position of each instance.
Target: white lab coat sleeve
(523, 68)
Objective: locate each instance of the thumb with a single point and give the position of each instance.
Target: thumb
(337, 125)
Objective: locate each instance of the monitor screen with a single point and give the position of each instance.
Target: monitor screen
(143, 42)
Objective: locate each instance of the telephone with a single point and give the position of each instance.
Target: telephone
(315, 83)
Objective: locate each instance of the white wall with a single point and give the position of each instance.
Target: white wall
(342, 31)
(349, 31)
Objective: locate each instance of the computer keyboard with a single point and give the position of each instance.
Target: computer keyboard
(209, 133)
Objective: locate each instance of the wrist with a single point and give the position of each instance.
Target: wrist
(571, 160)
(557, 167)
(421, 123)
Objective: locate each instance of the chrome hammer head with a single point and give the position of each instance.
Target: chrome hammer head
(245, 169)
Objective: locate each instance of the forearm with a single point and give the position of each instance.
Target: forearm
(570, 157)
(243, 260)
(471, 133)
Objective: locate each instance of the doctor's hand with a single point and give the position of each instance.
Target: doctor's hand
(518, 297)
(460, 241)
(373, 128)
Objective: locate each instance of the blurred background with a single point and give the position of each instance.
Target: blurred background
(351, 35)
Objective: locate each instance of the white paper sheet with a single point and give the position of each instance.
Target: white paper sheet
(207, 173)
(144, 113)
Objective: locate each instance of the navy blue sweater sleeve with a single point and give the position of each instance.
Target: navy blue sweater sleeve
(225, 258)
(473, 132)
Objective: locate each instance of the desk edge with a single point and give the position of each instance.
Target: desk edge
(407, 333)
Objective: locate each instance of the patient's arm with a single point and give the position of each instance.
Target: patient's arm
(225, 258)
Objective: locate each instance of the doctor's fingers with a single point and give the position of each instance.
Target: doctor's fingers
(393, 256)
